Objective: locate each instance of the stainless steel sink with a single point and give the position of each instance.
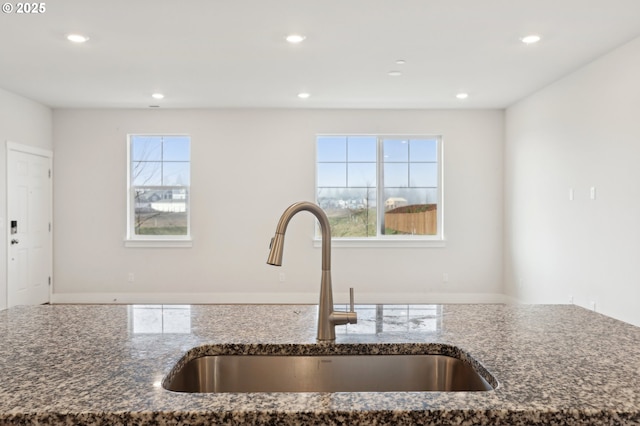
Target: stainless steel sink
(325, 373)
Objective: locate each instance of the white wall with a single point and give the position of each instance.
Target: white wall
(29, 123)
(581, 132)
(247, 167)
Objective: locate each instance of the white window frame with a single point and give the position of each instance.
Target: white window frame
(153, 241)
(381, 240)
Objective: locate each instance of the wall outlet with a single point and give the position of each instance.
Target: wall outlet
(592, 305)
(445, 277)
(282, 277)
(131, 277)
(571, 300)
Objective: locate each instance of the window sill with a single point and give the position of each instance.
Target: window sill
(381, 243)
(186, 243)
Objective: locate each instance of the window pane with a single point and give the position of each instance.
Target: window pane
(146, 173)
(332, 175)
(351, 212)
(411, 211)
(175, 174)
(423, 150)
(146, 148)
(176, 148)
(160, 211)
(396, 174)
(332, 148)
(423, 174)
(362, 148)
(362, 174)
(396, 150)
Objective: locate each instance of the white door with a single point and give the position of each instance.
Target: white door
(29, 228)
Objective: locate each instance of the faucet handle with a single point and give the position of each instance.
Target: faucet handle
(351, 302)
(342, 317)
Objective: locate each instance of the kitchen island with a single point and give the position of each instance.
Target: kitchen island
(104, 365)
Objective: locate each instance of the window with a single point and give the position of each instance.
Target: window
(159, 182)
(381, 187)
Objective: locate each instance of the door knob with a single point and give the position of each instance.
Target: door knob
(14, 241)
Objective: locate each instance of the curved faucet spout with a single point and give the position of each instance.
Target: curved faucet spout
(277, 242)
(327, 317)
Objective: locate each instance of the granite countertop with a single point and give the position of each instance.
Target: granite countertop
(103, 365)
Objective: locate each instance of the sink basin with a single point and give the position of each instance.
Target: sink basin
(325, 373)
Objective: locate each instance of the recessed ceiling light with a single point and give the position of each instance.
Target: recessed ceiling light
(295, 38)
(77, 38)
(531, 39)
(462, 95)
(401, 62)
(157, 96)
(303, 95)
(395, 73)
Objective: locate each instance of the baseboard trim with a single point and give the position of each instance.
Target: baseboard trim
(275, 298)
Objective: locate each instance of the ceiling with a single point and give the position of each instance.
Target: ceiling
(232, 53)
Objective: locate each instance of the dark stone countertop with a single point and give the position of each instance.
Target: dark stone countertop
(103, 364)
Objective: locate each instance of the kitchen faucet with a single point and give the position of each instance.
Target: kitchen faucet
(327, 317)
